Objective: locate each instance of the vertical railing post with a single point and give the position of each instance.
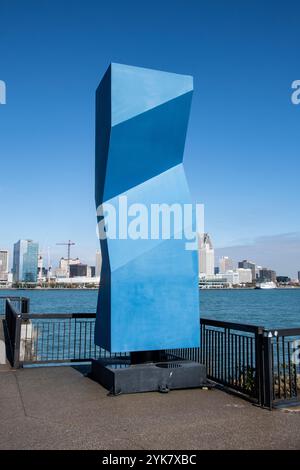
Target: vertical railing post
(201, 343)
(17, 341)
(8, 318)
(259, 373)
(268, 370)
(75, 338)
(25, 304)
(9, 329)
(13, 321)
(227, 358)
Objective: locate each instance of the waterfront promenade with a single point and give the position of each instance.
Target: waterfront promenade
(60, 408)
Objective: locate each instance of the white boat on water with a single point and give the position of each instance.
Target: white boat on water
(266, 285)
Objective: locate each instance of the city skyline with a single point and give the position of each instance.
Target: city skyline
(264, 251)
(210, 260)
(243, 88)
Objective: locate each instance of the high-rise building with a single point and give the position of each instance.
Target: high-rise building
(64, 262)
(225, 264)
(65, 265)
(299, 276)
(98, 263)
(245, 264)
(78, 270)
(257, 270)
(93, 271)
(40, 267)
(245, 275)
(283, 279)
(3, 265)
(42, 271)
(206, 255)
(25, 261)
(267, 275)
(230, 277)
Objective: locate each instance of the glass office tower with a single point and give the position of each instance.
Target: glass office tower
(25, 262)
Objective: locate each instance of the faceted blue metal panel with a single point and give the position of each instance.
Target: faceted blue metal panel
(149, 144)
(136, 90)
(148, 296)
(169, 187)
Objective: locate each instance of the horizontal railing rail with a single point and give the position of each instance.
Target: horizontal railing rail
(231, 325)
(39, 316)
(284, 332)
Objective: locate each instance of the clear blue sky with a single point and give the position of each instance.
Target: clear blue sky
(242, 153)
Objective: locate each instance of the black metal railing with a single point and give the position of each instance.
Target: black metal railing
(231, 353)
(20, 303)
(59, 338)
(262, 365)
(284, 364)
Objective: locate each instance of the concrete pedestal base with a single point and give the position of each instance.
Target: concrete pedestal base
(119, 375)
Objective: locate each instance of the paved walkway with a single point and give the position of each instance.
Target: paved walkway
(59, 408)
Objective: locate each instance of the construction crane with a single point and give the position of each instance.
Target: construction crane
(69, 243)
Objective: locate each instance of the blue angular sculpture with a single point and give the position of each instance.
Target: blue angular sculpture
(148, 296)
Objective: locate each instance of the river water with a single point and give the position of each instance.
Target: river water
(275, 308)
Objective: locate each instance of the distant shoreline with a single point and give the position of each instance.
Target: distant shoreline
(47, 288)
(96, 288)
